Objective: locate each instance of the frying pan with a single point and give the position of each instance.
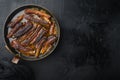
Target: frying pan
(7, 41)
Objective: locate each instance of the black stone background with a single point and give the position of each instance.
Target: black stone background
(89, 47)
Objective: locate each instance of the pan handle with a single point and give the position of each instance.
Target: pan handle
(16, 59)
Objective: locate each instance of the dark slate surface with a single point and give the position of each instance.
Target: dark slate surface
(89, 47)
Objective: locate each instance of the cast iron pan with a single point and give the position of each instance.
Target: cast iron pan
(11, 16)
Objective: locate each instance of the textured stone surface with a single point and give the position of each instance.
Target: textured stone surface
(89, 47)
